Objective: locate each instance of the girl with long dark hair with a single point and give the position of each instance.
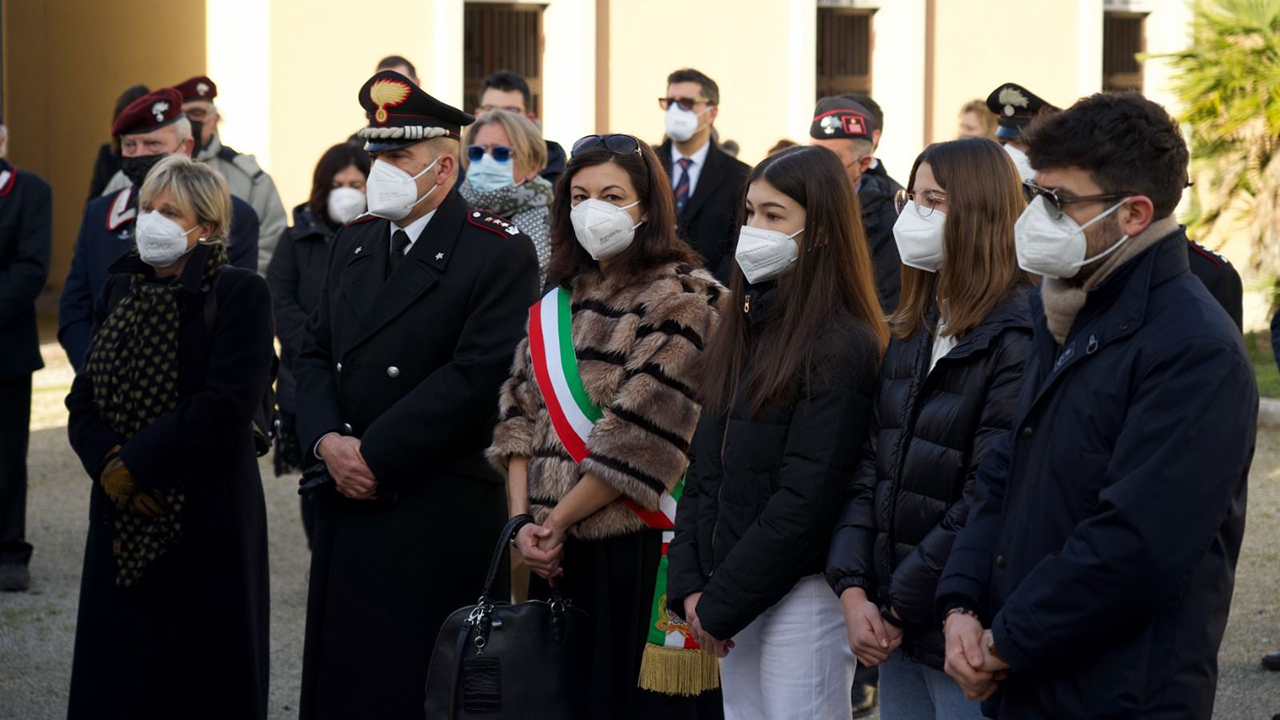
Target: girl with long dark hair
(787, 386)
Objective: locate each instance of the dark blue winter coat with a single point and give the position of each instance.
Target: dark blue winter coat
(1101, 546)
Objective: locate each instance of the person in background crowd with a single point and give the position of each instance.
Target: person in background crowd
(642, 310)
(247, 180)
(947, 390)
(706, 181)
(1015, 107)
(26, 245)
(847, 129)
(503, 153)
(400, 64)
(107, 164)
(787, 382)
(976, 120)
(877, 167)
(151, 128)
(295, 274)
(422, 304)
(731, 148)
(505, 90)
(1100, 550)
(174, 594)
(781, 145)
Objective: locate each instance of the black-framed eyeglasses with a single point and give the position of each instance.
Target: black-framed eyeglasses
(1055, 203)
(616, 144)
(925, 202)
(684, 103)
(501, 153)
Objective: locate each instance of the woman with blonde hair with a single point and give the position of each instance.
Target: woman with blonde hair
(174, 593)
(503, 154)
(947, 393)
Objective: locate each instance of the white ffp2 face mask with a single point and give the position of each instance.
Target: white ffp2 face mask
(919, 239)
(681, 124)
(603, 229)
(1056, 248)
(345, 204)
(765, 254)
(161, 241)
(391, 192)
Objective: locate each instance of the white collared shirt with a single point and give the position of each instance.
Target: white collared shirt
(699, 158)
(413, 230)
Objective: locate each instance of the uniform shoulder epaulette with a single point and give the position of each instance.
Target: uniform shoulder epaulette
(120, 213)
(1210, 255)
(247, 164)
(492, 222)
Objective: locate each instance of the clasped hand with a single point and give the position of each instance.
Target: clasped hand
(705, 640)
(871, 638)
(351, 474)
(542, 548)
(974, 668)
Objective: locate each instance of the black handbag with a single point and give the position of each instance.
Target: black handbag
(495, 660)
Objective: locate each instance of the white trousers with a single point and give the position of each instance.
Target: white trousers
(793, 661)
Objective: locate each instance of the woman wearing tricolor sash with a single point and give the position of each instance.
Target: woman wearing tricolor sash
(596, 420)
(787, 389)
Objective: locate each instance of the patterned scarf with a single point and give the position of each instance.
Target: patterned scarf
(133, 363)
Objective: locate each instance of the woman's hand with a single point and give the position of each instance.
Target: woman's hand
(546, 563)
(869, 638)
(719, 648)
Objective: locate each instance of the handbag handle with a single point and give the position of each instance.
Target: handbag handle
(495, 563)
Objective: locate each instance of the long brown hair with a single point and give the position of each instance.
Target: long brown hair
(980, 266)
(655, 241)
(831, 276)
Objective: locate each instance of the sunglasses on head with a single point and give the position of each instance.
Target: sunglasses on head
(1056, 204)
(501, 153)
(616, 144)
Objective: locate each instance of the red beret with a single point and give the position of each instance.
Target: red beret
(199, 87)
(153, 110)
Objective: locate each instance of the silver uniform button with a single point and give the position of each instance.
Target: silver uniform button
(393, 372)
(339, 367)
(346, 427)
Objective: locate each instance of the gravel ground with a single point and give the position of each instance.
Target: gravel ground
(37, 628)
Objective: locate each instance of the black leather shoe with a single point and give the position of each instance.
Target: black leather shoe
(14, 578)
(1272, 661)
(864, 699)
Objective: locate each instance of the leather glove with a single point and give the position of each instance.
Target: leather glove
(118, 482)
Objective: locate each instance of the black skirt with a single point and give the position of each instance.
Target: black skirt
(613, 580)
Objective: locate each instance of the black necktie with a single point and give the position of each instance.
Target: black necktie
(399, 241)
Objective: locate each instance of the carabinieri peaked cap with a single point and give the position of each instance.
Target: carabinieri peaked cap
(1016, 107)
(401, 113)
(841, 118)
(149, 112)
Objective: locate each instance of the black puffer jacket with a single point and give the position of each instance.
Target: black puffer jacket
(913, 486)
(762, 493)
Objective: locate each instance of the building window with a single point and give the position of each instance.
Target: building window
(844, 51)
(1122, 40)
(502, 37)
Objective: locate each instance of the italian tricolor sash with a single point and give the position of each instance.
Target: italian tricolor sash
(672, 662)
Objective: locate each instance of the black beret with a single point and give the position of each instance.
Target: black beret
(1016, 107)
(838, 117)
(401, 113)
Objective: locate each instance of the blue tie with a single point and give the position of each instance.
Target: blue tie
(682, 186)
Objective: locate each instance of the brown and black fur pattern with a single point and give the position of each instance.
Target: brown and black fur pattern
(638, 341)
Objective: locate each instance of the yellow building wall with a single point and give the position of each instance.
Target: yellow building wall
(1053, 49)
(65, 63)
(745, 48)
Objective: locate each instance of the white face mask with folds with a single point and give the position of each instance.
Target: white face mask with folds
(603, 229)
(1056, 248)
(681, 124)
(161, 241)
(345, 204)
(765, 254)
(919, 239)
(392, 193)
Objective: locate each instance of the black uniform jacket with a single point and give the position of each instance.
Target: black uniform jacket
(875, 198)
(411, 364)
(26, 225)
(710, 219)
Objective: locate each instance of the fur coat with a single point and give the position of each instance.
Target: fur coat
(638, 340)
